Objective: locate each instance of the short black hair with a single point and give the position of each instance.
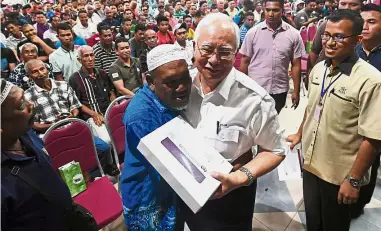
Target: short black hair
(14, 22)
(161, 18)
(63, 14)
(346, 14)
(281, 2)
(27, 6)
(187, 16)
(126, 20)
(39, 13)
(140, 27)
(64, 27)
(199, 14)
(120, 40)
(202, 3)
(306, 2)
(82, 11)
(371, 7)
(248, 14)
(102, 27)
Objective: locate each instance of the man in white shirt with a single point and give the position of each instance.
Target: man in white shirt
(84, 28)
(258, 12)
(93, 17)
(15, 35)
(65, 59)
(51, 33)
(233, 113)
(185, 45)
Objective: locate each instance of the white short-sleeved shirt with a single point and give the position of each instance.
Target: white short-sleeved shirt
(50, 34)
(85, 32)
(65, 62)
(237, 115)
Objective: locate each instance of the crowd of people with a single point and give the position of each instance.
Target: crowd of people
(223, 61)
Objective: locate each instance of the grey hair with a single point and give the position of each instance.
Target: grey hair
(218, 19)
(81, 49)
(27, 44)
(32, 62)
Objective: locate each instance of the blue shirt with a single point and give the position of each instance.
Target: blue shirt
(243, 31)
(78, 41)
(374, 57)
(148, 201)
(112, 23)
(22, 206)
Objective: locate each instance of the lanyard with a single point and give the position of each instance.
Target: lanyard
(324, 91)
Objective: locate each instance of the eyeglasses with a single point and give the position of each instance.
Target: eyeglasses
(225, 54)
(337, 38)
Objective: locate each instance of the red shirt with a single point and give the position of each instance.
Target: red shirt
(168, 38)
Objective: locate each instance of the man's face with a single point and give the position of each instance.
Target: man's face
(171, 10)
(192, 10)
(66, 9)
(120, 8)
(13, 29)
(145, 11)
(66, 37)
(151, 38)
(48, 7)
(258, 8)
(163, 26)
(214, 53)
(249, 21)
(339, 50)
(55, 21)
(17, 114)
(204, 7)
(123, 50)
(109, 14)
(25, 11)
(38, 72)
(273, 12)
(128, 15)
(90, 11)
(197, 20)
(41, 19)
(139, 36)
(113, 9)
(127, 26)
(188, 22)
(88, 58)
(182, 2)
(311, 6)
(97, 5)
(83, 18)
(161, 9)
(143, 20)
(28, 53)
(181, 35)
(172, 84)
(300, 6)
(372, 25)
(80, 7)
(29, 31)
(106, 36)
(354, 5)
(231, 5)
(187, 4)
(178, 7)
(220, 5)
(39, 6)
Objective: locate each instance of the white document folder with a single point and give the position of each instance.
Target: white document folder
(182, 158)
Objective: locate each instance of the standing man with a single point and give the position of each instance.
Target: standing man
(151, 42)
(340, 132)
(183, 44)
(267, 52)
(217, 88)
(258, 12)
(125, 72)
(232, 10)
(370, 51)
(305, 17)
(248, 23)
(137, 43)
(64, 60)
(104, 50)
(85, 29)
(149, 202)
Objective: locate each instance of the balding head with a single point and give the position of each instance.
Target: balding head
(31, 64)
(150, 37)
(86, 57)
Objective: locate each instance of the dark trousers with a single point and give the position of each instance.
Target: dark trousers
(322, 210)
(231, 212)
(366, 192)
(280, 101)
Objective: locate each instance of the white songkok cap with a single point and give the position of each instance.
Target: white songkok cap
(6, 87)
(163, 54)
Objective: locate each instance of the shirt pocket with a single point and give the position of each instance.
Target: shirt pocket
(228, 140)
(342, 106)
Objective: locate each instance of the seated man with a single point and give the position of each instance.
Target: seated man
(125, 72)
(148, 201)
(18, 76)
(56, 100)
(94, 90)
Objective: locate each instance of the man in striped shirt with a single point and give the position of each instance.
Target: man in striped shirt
(104, 50)
(248, 23)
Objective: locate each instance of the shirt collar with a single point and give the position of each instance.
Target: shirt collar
(347, 65)
(374, 50)
(224, 87)
(121, 63)
(11, 37)
(85, 75)
(112, 46)
(282, 26)
(39, 89)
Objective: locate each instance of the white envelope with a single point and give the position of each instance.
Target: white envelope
(291, 167)
(180, 155)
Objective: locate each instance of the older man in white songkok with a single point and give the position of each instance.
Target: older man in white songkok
(149, 203)
(234, 114)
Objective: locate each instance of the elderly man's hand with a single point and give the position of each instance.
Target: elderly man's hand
(229, 182)
(98, 119)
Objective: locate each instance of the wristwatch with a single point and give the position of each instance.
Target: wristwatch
(354, 182)
(248, 174)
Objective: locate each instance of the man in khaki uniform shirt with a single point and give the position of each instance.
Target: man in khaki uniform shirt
(341, 131)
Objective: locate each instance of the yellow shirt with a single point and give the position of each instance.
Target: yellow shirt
(190, 34)
(351, 110)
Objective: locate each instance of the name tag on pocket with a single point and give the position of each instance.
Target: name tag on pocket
(228, 135)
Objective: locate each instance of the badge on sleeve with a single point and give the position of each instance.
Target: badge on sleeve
(115, 75)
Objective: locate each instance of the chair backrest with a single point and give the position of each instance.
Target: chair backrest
(114, 124)
(71, 139)
(319, 23)
(303, 34)
(311, 32)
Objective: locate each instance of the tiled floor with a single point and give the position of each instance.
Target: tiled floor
(279, 204)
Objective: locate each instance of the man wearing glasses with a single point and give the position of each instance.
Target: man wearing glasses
(340, 132)
(267, 51)
(233, 113)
